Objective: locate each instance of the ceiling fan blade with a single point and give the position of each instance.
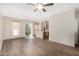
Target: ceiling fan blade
(44, 10)
(49, 4)
(31, 4)
(35, 10)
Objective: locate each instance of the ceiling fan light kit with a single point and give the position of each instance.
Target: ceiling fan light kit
(40, 7)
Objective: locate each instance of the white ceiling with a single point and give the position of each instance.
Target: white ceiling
(24, 11)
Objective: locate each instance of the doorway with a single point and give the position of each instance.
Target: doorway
(29, 30)
(77, 34)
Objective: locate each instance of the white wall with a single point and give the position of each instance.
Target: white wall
(7, 28)
(62, 28)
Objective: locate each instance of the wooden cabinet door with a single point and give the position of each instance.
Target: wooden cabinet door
(46, 35)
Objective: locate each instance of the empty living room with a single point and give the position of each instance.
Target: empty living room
(39, 29)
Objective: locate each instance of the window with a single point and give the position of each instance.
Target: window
(15, 28)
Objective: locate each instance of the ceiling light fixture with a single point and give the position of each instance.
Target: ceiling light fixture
(40, 6)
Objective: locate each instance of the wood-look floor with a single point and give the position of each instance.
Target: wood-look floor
(36, 47)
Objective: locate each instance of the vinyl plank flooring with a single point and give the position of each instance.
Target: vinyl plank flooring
(36, 47)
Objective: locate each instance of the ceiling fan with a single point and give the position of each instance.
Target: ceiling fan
(40, 6)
